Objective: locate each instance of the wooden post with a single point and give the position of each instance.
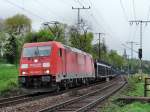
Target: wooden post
(145, 95)
(146, 86)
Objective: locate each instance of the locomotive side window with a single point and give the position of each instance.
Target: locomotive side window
(60, 52)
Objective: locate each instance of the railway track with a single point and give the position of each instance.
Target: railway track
(7, 102)
(19, 99)
(87, 101)
(35, 96)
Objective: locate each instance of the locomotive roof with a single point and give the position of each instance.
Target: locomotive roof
(58, 44)
(42, 43)
(102, 64)
(76, 50)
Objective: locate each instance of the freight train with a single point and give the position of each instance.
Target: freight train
(54, 65)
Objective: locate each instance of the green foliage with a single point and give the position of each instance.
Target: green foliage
(82, 41)
(18, 24)
(2, 26)
(2, 43)
(46, 34)
(116, 59)
(135, 64)
(103, 51)
(41, 36)
(11, 49)
(134, 107)
(15, 28)
(8, 77)
(135, 87)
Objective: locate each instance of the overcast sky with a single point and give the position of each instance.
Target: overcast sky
(107, 16)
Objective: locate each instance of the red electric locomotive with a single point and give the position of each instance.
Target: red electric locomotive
(52, 64)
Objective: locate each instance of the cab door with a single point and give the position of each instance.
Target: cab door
(64, 61)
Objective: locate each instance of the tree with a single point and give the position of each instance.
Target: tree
(50, 33)
(2, 37)
(116, 59)
(11, 50)
(41, 36)
(18, 24)
(2, 25)
(103, 48)
(3, 40)
(16, 27)
(81, 41)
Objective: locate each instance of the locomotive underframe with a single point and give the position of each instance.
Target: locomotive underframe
(49, 81)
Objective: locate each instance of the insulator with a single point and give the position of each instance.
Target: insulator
(137, 23)
(131, 23)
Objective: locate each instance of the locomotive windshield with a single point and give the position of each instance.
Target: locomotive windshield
(36, 51)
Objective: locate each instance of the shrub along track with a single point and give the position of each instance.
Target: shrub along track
(42, 102)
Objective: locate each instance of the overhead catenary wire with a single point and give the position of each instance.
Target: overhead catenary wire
(148, 14)
(49, 11)
(134, 34)
(24, 9)
(108, 31)
(80, 3)
(134, 11)
(106, 28)
(90, 3)
(124, 11)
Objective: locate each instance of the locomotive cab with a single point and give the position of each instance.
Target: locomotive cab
(36, 64)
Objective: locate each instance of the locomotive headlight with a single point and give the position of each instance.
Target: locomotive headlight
(24, 65)
(46, 64)
(47, 71)
(35, 60)
(24, 73)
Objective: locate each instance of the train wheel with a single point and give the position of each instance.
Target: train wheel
(66, 86)
(87, 82)
(58, 88)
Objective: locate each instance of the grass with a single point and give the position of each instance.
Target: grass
(8, 77)
(134, 107)
(135, 88)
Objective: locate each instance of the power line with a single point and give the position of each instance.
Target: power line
(97, 22)
(78, 9)
(141, 22)
(132, 43)
(28, 11)
(148, 14)
(124, 11)
(102, 19)
(78, 1)
(49, 11)
(90, 2)
(86, 3)
(141, 28)
(134, 12)
(129, 48)
(99, 34)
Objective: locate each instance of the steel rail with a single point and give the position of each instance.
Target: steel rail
(100, 99)
(63, 104)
